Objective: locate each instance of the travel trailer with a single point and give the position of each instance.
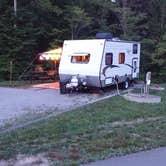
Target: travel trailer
(98, 63)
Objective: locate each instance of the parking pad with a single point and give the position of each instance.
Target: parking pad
(54, 85)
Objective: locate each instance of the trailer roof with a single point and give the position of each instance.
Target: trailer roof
(111, 40)
(122, 41)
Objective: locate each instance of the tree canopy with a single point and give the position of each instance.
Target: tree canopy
(43, 24)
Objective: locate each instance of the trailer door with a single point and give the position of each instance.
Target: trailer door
(135, 67)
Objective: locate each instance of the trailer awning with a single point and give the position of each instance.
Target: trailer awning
(53, 55)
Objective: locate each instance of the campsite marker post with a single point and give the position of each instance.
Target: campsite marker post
(148, 81)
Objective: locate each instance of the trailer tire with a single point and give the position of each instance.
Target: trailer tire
(62, 88)
(126, 84)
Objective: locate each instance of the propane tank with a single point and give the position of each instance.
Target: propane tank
(74, 81)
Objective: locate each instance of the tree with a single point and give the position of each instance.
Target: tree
(132, 21)
(77, 19)
(35, 23)
(156, 32)
(44, 24)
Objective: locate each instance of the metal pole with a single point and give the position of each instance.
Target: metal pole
(15, 7)
(15, 11)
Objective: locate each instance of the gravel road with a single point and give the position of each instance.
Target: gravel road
(17, 102)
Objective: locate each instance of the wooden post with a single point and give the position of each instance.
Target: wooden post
(55, 67)
(11, 72)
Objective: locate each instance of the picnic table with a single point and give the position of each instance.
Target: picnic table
(39, 75)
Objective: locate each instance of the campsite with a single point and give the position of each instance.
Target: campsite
(82, 82)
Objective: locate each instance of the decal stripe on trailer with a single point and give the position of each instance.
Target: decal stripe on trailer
(111, 66)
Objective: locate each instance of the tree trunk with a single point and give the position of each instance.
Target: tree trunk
(124, 17)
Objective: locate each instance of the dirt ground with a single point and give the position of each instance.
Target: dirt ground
(18, 102)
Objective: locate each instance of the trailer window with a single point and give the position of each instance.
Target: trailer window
(80, 58)
(108, 58)
(135, 48)
(121, 58)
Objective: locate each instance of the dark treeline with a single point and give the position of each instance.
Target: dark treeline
(39, 25)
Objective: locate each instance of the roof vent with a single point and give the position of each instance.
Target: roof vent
(115, 39)
(104, 36)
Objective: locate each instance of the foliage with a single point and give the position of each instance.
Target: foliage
(43, 24)
(77, 20)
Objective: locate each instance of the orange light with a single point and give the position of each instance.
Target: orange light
(41, 58)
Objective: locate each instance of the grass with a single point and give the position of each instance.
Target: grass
(88, 134)
(28, 117)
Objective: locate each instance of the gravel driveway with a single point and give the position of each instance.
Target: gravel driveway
(16, 102)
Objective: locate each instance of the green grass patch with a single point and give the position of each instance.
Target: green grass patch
(86, 134)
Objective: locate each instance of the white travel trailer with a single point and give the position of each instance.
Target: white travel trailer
(98, 63)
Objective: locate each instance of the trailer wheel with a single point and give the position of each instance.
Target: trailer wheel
(62, 88)
(126, 84)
